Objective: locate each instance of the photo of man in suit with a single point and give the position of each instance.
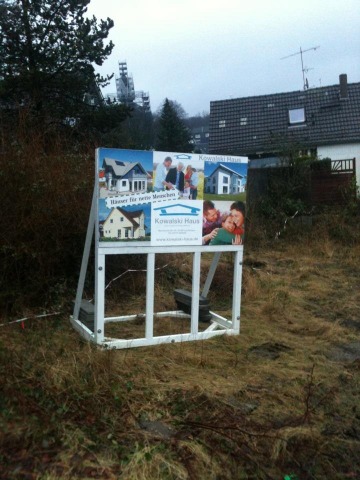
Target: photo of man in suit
(175, 178)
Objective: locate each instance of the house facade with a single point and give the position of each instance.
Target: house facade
(124, 177)
(200, 139)
(123, 225)
(223, 180)
(322, 121)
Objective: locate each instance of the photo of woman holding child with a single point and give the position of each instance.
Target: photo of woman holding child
(226, 228)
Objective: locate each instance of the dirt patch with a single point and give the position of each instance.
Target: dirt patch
(268, 350)
(349, 352)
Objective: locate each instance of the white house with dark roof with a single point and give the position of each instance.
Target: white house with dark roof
(224, 180)
(123, 225)
(125, 177)
(323, 121)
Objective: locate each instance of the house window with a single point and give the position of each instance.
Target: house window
(207, 135)
(214, 180)
(111, 220)
(243, 121)
(225, 180)
(197, 135)
(123, 183)
(296, 115)
(121, 219)
(222, 124)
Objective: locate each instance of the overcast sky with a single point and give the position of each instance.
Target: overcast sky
(196, 51)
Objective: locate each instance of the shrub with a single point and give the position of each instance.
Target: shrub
(45, 199)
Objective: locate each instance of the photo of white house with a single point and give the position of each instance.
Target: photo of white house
(224, 180)
(123, 225)
(123, 177)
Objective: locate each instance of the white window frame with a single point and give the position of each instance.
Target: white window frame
(297, 116)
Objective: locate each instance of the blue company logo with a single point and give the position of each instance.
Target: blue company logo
(183, 156)
(180, 209)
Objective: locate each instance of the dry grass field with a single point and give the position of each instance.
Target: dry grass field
(279, 401)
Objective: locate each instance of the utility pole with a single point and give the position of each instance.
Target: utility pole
(301, 52)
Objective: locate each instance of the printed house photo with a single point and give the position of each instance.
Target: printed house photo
(124, 172)
(130, 223)
(124, 177)
(225, 179)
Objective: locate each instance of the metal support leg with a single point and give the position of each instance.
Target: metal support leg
(195, 293)
(211, 274)
(150, 281)
(236, 301)
(100, 297)
(85, 258)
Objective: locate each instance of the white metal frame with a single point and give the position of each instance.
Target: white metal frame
(218, 324)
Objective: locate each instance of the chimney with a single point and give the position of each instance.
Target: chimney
(343, 86)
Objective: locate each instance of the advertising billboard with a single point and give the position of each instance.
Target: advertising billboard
(170, 198)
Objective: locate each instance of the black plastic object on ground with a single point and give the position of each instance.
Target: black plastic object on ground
(183, 300)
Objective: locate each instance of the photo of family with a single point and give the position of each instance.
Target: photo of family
(223, 223)
(175, 171)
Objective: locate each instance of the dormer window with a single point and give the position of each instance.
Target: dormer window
(222, 123)
(296, 116)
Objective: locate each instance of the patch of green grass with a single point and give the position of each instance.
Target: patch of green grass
(226, 197)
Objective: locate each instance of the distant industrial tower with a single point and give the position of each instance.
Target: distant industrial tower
(125, 85)
(125, 90)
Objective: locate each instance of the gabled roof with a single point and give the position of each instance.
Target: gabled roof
(244, 126)
(119, 167)
(224, 167)
(131, 215)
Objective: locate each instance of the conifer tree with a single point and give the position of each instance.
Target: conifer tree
(48, 49)
(173, 135)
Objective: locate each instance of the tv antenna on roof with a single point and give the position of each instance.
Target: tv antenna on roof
(303, 69)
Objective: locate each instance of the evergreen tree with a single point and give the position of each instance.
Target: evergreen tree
(173, 135)
(47, 52)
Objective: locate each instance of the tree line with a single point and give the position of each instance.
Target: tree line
(49, 50)
(52, 117)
